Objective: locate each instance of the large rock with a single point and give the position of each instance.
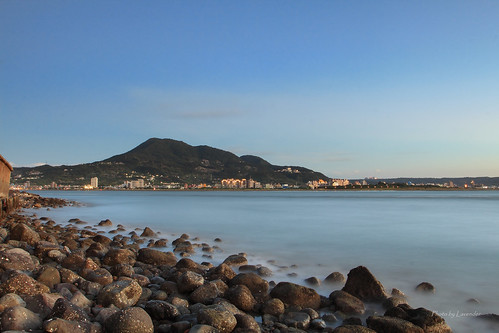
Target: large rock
(20, 319)
(218, 317)
(206, 293)
(42, 303)
(241, 296)
(130, 320)
(99, 275)
(189, 281)
(236, 260)
(22, 232)
(255, 283)
(362, 284)
(16, 259)
(10, 301)
(247, 323)
(298, 320)
(22, 284)
(119, 256)
(221, 272)
(346, 303)
(62, 326)
(274, 307)
(392, 325)
(49, 276)
(66, 310)
(426, 319)
(294, 294)
(121, 294)
(156, 257)
(161, 310)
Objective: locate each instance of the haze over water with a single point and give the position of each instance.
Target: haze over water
(448, 238)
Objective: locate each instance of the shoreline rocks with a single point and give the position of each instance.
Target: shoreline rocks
(58, 278)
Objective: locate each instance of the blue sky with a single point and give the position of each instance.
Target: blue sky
(349, 88)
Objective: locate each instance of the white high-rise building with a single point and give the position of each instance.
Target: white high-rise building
(94, 182)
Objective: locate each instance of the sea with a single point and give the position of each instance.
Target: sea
(447, 238)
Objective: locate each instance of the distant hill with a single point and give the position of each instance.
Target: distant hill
(167, 160)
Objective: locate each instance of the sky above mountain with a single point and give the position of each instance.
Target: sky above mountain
(349, 88)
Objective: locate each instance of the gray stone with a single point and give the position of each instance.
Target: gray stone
(335, 277)
(298, 320)
(425, 287)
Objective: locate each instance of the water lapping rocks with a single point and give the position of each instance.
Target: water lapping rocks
(58, 278)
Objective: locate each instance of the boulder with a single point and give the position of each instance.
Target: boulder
(222, 272)
(241, 296)
(392, 325)
(189, 281)
(62, 326)
(130, 320)
(119, 256)
(294, 294)
(161, 310)
(346, 303)
(274, 307)
(335, 277)
(121, 294)
(218, 317)
(19, 318)
(16, 259)
(66, 310)
(425, 287)
(206, 293)
(49, 276)
(147, 232)
(247, 323)
(21, 284)
(156, 257)
(428, 320)
(362, 284)
(23, 233)
(99, 275)
(236, 260)
(42, 303)
(298, 320)
(353, 329)
(255, 283)
(203, 329)
(10, 301)
(105, 223)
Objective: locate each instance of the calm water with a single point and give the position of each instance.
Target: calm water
(450, 239)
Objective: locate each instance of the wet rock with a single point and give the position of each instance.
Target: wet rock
(264, 271)
(155, 257)
(203, 329)
(206, 293)
(19, 318)
(298, 320)
(362, 284)
(246, 322)
(121, 294)
(346, 303)
(392, 325)
(97, 250)
(161, 310)
(130, 320)
(428, 320)
(313, 281)
(81, 300)
(293, 294)
(66, 310)
(274, 307)
(16, 259)
(425, 287)
(253, 281)
(353, 329)
(23, 233)
(49, 276)
(222, 272)
(122, 270)
(99, 275)
(10, 301)
(105, 223)
(73, 262)
(147, 232)
(393, 301)
(119, 256)
(236, 260)
(335, 277)
(68, 276)
(241, 296)
(63, 326)
(189, 281)
(318, 324)
(21, 284)
(42, 303)
(218, 317)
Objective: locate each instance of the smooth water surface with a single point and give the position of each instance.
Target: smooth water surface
(448, 238)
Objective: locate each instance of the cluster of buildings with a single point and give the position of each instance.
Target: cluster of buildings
(315, 184)
(240, 183)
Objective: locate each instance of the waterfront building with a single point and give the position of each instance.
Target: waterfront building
(94, 182)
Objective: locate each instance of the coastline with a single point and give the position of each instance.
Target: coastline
(173, 268)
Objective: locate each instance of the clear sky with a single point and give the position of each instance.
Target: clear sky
(350, 88)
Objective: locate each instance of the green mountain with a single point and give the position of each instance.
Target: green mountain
(165, 161)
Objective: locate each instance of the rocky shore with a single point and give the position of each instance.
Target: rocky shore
(79, 278)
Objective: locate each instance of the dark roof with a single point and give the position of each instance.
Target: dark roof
(4, 161)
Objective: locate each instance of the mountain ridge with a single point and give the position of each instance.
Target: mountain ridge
(167, 160)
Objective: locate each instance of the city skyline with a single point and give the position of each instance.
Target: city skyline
(350, 89)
